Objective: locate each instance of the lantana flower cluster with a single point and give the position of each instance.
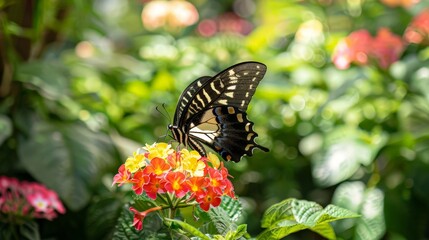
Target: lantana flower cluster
(28, 200)
(179, 178)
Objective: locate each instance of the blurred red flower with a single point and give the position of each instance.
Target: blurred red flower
(418, 30)
(361, 48)
(387, 47)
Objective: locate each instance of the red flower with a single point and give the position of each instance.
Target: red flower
(175, 183)
(360, 47)
(157, 166)
(123, 176)
(139, 216)
(387, 47)
(210, 197)
(139, 180)
(216, 180)
(418, 31)
(353, 49)
(154, 186)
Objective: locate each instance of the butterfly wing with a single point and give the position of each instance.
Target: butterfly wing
(226, 130)
(233, 86)
(212, 111)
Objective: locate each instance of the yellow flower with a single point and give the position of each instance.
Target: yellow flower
(135, 162)
(161, 150)
(190, 163)
(214, 160)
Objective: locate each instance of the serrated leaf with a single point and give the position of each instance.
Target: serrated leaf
(59, 155)
(293, 215)
(189, 228)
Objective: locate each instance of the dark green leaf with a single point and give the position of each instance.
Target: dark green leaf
(67, 157)
(5, 128)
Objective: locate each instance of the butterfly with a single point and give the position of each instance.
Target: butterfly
(212, 111)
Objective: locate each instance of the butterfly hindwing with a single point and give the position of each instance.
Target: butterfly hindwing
(226, 130)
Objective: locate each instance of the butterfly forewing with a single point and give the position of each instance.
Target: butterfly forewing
(212, 110)
(240, 82)
(234, 86)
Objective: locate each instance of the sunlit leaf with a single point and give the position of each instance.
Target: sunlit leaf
(292, 215)
(367, 202)
(345, 151)
(190, 229)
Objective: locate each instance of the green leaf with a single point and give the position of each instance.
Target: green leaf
(5, 128)
(225, 215)
(367, 202)
(29, 230)
(189, 228)
(67, 157)
(345, 151)
(50, 79)
(102, 217)
(238, 233)
(292, 215)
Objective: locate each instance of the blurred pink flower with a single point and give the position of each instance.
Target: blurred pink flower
(28, 199)
(361, 48)
(353, 49)
(169, 13)
(400, 3)
(418, 30)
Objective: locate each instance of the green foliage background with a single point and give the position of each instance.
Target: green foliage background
(357, 138)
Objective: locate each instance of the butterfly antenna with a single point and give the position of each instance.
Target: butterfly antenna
(167, 116)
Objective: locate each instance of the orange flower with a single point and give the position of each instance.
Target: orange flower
(157, 166)
(175, 183)
(196, 184)
(191, 178)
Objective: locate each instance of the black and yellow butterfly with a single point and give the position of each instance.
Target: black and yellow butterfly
(212, 111)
